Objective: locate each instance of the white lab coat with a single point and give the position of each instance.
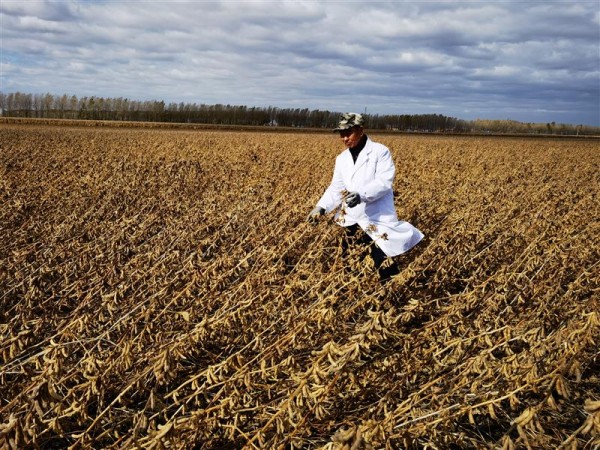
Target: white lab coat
(372, 177)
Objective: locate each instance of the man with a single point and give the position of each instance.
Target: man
(361, 191)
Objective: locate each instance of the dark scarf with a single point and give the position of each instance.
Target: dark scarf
(356, 150)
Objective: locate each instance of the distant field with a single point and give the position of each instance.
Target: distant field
(161, 289)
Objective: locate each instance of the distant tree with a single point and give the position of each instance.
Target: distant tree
(26, 104)
(18, 104)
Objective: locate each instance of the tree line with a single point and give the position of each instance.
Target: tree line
(49, 106)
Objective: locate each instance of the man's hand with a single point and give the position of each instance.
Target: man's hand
(315, 214)
(352, 199)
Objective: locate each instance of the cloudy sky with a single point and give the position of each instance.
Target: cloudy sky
(532, 61)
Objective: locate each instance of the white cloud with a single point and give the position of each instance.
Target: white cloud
(394, 57)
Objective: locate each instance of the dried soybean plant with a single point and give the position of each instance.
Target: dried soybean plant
(160, 289)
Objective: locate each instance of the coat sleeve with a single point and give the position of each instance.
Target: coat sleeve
(383, 180)
(332, 197)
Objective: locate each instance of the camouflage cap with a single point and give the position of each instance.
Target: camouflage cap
(349, 120)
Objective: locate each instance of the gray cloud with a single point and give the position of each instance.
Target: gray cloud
(533, 61)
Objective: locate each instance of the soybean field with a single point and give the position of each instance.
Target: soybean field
(162, 289)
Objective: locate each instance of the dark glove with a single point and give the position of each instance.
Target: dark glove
(352, 199)
(315, 214)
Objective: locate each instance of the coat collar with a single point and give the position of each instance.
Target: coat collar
(363, 156)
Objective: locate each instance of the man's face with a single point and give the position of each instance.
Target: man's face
(352, 136)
